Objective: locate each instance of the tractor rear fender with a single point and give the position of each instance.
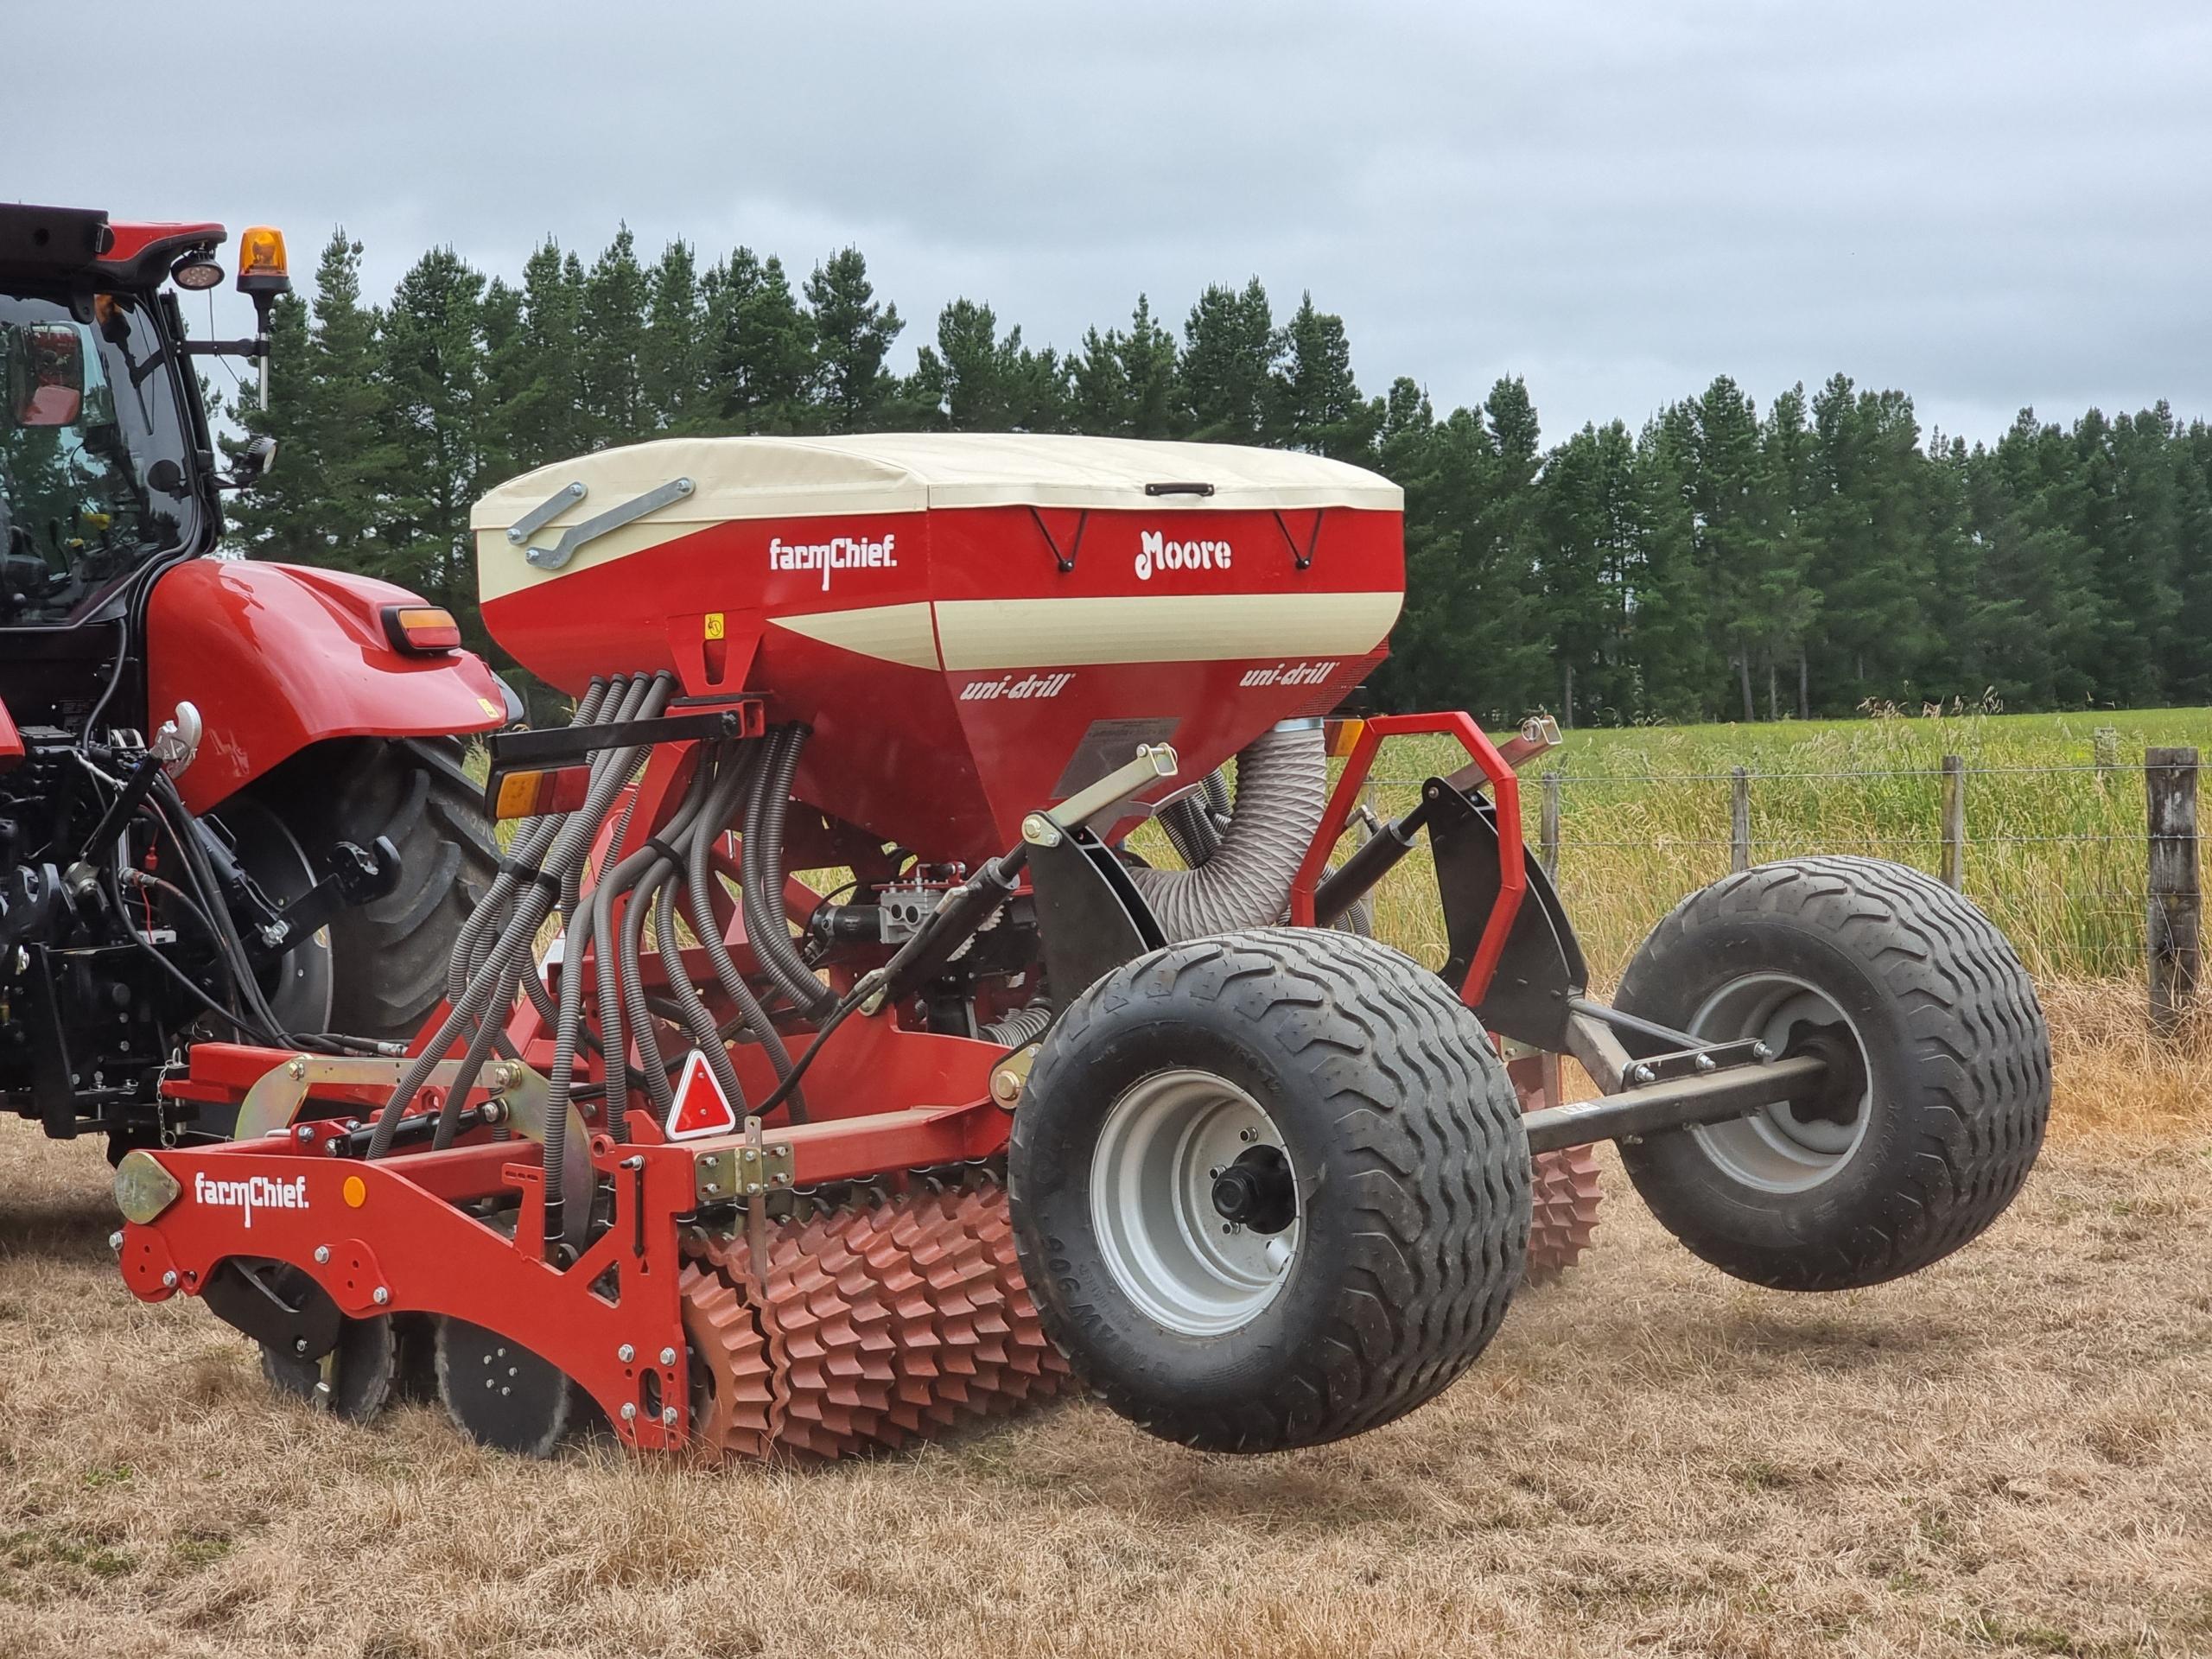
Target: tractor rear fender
(279, 656)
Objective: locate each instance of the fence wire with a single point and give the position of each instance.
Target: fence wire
(2056, 853)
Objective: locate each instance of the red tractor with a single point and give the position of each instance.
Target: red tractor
(231, 798)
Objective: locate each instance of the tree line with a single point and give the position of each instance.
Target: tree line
(1721, 560)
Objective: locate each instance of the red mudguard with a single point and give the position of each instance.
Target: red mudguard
(276, 657)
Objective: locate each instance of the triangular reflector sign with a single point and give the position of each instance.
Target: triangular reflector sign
(701, 1107)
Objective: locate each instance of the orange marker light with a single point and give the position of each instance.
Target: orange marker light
(528, 794)
(424, 630)
(355, 1191)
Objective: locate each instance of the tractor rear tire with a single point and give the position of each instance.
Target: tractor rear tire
(1271, 1188)
(389, 956)
(1913, 990)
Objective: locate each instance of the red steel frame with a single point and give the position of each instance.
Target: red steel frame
(1505, 794)
(387, 1237)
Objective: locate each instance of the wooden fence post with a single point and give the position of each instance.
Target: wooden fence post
(2177, 904)
(1739, 818)
(1955, 823)
(1547, 826)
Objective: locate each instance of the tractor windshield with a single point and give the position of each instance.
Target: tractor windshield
(94, 478)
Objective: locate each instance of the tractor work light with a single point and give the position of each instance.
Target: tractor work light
(261, 266)
(195, 271)
(422, 630)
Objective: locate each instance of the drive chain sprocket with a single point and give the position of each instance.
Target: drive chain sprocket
(873, 1324)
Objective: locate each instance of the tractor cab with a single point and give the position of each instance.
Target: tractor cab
(107, 467)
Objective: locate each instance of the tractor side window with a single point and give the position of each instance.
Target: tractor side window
(88, 417)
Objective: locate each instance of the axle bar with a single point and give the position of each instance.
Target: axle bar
(1676, 1104)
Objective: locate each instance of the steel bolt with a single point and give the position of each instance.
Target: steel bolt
(168, 1280)
(321, 1253)
(626, 1353)
(668, 1415)
(296, 1069)
(1761, 1051)
(381, 1297)
(303, 1133)
(1641, 1073)
(629, 1411)
(1705, 1063)
(115, 1240)
(668, 1356)
(299, 1344)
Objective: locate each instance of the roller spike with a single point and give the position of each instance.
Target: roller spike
(869, 1326)
(1563, 1217)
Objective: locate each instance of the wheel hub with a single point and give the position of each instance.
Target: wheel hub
(1257, 1191)
(1788, 1146)
(1194, 1200)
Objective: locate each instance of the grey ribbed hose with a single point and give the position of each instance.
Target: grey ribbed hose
(532, 836)
(1281, 781)
(707, 929)
(762, 889)
(509, 959)
(570, 846)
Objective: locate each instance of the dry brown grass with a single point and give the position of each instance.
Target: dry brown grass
(2005, 1455)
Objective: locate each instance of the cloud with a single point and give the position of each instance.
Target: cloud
(1987, 205)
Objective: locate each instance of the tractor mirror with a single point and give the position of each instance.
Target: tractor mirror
(46, 375)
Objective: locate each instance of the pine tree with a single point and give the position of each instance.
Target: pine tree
(673, 362)
(1320, 407)
(433, 373)
(1123, 384)
(614, 332)
(975, 381)
(760, 346)
(853, 337)
(1590, 526)
(538, 370)
(1231, 393)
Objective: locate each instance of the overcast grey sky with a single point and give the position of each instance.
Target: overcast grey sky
(1986, 204)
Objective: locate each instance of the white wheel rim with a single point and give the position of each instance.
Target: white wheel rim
(1151, 1210)
(1773, 1148)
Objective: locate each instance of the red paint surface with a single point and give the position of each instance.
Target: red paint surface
(277, 657)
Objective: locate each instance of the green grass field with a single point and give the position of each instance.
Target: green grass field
(2055, 847)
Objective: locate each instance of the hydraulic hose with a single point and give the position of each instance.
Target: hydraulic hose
(763, 888)
(1281, 781)
(622, 984)
(531, 838)
(570, 846)
(754, 1017)
(698, 1023)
